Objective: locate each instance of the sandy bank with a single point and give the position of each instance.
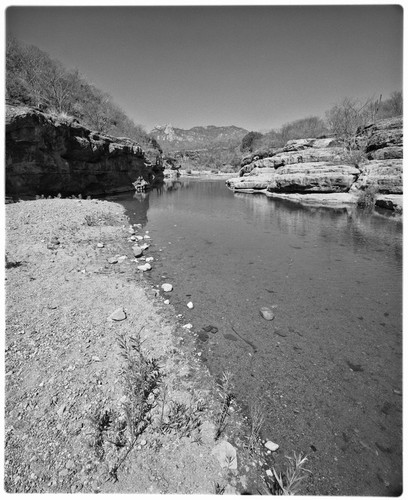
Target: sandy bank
(87, 409)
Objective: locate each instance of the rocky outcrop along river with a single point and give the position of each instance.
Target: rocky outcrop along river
(318, 166)
(48, 155)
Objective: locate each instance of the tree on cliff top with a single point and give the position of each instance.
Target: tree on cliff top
(34, 79)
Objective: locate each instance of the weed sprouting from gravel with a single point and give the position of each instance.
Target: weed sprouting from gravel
(227, 398)
(141, 378)
(257, 414)
(218, 489)
(290, 481)
(184, 420)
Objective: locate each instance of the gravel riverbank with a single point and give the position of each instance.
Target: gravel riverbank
(104, 388)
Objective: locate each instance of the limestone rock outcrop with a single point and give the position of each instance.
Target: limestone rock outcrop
(317, 165)
(385, 176)
(47, 155)
(384, 139)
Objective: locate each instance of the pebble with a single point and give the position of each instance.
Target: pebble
(188, 326)
(149, 259)
(70, 464)
(118, 315)
(271, 446)
(100, 245)
(143, 442)
(266, 313)
(166, 287)
(137, 251)
(190, 305)
(121, 259)
(113, 260)
(167, 302)
(133, 238)
(145, 267)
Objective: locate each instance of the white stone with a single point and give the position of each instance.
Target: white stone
(188, 326)
(100, 245)
(167, 287)
(167, 302)
(145, 267)
(190, 305)
(226, 455)
(266, 313)
(271, 446)
(149, 259)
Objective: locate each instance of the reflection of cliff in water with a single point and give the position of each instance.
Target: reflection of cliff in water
(349, 225)
(171, 185)
(140, 207)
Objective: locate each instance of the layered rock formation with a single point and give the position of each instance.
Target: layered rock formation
(47, 155)
(317, 165)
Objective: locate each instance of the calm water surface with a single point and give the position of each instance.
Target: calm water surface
(329, 366)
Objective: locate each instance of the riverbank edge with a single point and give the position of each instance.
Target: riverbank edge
(334, 200)
(175, 344)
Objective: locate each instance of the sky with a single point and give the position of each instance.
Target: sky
(255, 67)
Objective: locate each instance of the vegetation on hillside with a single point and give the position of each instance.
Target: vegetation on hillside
(34, 79)
(344, 121)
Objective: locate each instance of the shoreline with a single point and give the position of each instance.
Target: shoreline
(332, 200)
(65, 376)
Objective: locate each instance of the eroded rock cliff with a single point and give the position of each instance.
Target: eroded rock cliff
(318, 165)
(49, 155)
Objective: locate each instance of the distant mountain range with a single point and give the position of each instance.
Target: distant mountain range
(175, 139)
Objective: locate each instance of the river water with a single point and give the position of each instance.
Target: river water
(328, 368)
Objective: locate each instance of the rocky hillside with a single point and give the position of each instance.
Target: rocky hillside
(321, 166)
(50, 154)
(176, 139)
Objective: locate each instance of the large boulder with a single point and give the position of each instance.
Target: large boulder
(48, 155)
(383, 176)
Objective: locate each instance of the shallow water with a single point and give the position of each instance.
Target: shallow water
(329, 366)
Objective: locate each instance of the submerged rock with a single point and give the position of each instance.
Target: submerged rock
(167, 287)
(267, 313)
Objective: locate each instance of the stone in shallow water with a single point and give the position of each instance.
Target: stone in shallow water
(203, 336)
(167, 287)
(210, 328)
(145, 267)
(137, 251)
(266, 313)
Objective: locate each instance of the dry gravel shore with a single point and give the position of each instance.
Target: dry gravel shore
(68, 381)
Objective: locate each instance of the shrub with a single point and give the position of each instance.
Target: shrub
(366, 198)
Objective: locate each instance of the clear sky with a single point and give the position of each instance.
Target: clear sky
(256, 67)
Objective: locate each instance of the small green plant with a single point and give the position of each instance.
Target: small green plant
(257, 413)
(218, 489)
(92, 220)
(290, 481)
(141, 377)
(184, 420)
(227, 398)
(366, 198)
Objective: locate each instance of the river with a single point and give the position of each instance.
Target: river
(328, 368)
